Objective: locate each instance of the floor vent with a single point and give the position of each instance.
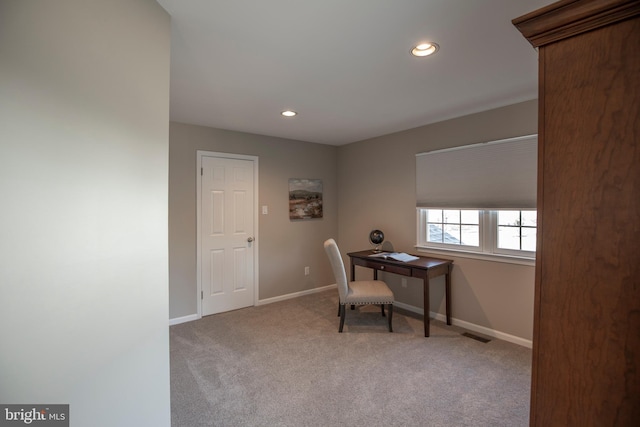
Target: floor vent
(476, 337)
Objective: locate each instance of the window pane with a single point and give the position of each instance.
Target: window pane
(509, 237)
(528, 239)
(434, 233)
(451, 216)
(470, 217)
(470, 235)
(434, 215)
(509, 218)
(451, 234)
(529, 218)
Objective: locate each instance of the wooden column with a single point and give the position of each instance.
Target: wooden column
(586, 344)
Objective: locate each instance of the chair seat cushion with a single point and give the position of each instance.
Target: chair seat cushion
(368, 292)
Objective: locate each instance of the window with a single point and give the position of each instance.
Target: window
(492, 232)
(517, 230)
(479, 198)
(453, 227)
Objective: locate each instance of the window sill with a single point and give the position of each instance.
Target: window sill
(507, 259)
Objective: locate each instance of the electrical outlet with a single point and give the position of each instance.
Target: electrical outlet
(404, 282)
(265, 210)
(306, 271)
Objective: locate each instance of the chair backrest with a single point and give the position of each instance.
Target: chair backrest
(331, 247)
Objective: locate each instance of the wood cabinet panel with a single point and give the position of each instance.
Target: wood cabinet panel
(590, 266)
(586, 352)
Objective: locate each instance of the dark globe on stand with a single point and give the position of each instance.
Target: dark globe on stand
(376, 237)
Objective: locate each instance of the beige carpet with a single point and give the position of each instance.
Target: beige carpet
(285, 364)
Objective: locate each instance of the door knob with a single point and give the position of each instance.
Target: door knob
(250, 239)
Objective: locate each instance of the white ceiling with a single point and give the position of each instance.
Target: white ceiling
(344, 65)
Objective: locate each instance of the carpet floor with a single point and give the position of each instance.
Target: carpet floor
(285, 364)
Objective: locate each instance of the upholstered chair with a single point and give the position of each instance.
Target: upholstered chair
(359, 292)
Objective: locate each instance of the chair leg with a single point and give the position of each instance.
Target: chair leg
(339, 305)
(342, 315)
(390, 316)
(382, 308)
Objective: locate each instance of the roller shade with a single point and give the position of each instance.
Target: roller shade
(493, 175)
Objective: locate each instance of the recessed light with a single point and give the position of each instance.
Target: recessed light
(289, 113)
(425, 49)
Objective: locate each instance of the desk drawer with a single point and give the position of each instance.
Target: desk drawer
(397, 269)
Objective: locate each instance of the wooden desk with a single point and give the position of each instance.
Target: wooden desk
(424, 268)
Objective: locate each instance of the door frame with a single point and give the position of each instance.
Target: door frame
(199, 155)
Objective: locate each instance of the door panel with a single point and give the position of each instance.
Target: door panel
(227, 255)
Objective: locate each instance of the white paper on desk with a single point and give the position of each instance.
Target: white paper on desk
(397, 256)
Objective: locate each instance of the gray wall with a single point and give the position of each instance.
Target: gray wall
(377, 190)
(84, 110)
(285, 246)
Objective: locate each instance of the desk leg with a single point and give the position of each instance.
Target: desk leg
(353, 278)
(426, 306)
(448, 293)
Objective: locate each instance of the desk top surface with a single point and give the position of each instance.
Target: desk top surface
(423, 262)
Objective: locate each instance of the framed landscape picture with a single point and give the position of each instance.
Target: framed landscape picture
(305, 198)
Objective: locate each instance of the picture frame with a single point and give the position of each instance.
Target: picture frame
(305, 198)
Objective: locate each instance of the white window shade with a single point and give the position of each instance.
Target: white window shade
(492, 175)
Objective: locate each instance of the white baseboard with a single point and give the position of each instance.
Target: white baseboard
(183, 319)
(469, 326)
(295, 295)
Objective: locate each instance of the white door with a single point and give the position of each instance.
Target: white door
(227, 243)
